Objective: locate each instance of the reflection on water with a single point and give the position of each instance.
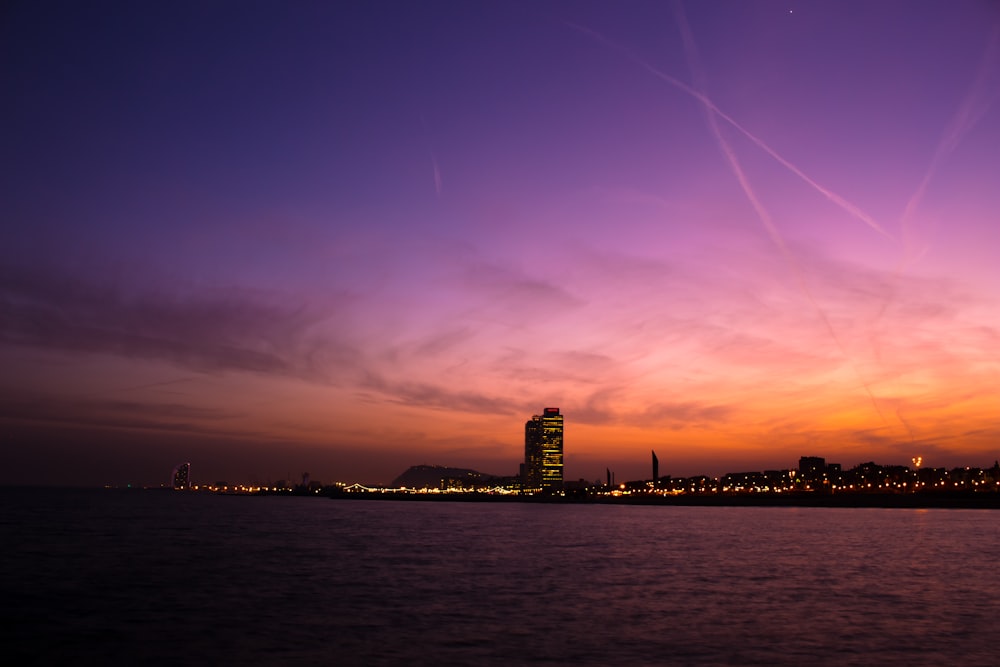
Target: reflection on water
(158, 577)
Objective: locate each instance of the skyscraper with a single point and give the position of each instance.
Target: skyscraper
(181, 476)
(543, 452)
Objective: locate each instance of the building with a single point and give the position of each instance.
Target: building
(811, 468)
(181, 477)
(543, 452)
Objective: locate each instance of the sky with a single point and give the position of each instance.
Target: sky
(345, 238)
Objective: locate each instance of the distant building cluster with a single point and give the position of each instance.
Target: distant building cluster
(815, 475)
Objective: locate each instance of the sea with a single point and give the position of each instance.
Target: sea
(100, 577)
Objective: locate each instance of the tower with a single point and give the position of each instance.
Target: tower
(543, 452)
(181, 476)
(656, 469)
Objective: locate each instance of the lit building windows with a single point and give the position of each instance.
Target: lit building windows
(543, 452)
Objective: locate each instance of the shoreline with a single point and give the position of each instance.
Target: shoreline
(943, 500)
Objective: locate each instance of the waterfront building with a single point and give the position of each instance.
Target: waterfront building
(181, 478)
(812, 468)
(543, 452)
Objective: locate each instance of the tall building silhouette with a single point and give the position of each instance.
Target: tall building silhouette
(656, 469)
(181, 476)
(543, 452)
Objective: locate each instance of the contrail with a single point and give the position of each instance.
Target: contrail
(437, 174)
(693, 61)
(905, 423)
(710, 105)
(438, 185)
(691, 54)
(968, 114)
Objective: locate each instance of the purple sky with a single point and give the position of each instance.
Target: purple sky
(351, 237)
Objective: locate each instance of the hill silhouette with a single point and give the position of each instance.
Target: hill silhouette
(430, 477)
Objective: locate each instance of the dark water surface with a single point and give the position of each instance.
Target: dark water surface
(108, 577)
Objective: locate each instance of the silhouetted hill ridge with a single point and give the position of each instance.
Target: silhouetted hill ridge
(426, 476)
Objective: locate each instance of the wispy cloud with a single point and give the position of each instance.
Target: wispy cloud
(216, 330)
(505, 283)
(92, 413)
(426, 395)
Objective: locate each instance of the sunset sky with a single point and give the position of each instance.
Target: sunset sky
(351, 237)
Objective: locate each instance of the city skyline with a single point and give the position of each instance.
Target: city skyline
(347, 238)
(541, 470)
(813, 475)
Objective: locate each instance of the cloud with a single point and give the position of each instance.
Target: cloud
(423, 394)
(440, 343)
(116, 414)
(677, 415)
(611, 405)
(209, 330)
(513, 287)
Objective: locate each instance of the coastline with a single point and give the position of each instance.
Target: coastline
(947, 500)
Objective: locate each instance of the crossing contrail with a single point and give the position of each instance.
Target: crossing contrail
(691, 54)
(844, 204)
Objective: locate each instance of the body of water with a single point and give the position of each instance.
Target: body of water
(150, 577)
